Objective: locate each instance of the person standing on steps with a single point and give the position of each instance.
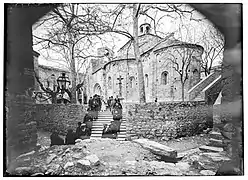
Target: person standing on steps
(88, 120)
(108, 103)
(103, 108)
(90, 103)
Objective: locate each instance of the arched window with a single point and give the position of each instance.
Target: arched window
(195, 72)
(132, 82)
(164, 78)
(48, 83)
(146, 80)
(147, 29)
(109, 83)
(141, 29)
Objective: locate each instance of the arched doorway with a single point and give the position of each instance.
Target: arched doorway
(97, 89)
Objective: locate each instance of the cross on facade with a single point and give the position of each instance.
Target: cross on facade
(120, 87)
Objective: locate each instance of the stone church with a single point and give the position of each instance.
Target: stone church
(163, 60)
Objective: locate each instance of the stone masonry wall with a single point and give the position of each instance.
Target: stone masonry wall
(59, 117)
(21, 128)
(161, 121)
(24, 119)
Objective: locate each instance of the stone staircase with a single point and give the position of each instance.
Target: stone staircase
(197, 92)
(216, 143)
(105, 118)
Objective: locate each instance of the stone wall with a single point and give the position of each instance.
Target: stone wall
(162, 121)
(21, 128)
(60, 117)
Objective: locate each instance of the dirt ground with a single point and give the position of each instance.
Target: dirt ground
(181, 144)
(114, 157)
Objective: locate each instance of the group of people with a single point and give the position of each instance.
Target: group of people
(95, 103)
(114, 103)
(83, 131)
(115, 107)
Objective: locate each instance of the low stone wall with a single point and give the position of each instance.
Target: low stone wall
(21, 127)
(24, 118)
(162, 121)
(59, 117)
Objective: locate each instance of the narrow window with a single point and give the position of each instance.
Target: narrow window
(164, 78)
(146, 80)
(109, 83)
(131, 80)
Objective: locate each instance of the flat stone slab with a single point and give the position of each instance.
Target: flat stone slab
(207, 173)
(188, 152)
(216, 157)
(157, 148)
(211, 149)
(216, 135)
(216, 142)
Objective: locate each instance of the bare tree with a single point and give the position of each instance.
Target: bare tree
(213, 43)
(76, 24)
(181, 59)
(50, 93)
(68, 35)
(142, 95)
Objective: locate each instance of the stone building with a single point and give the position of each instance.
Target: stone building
(160, 57)
(48, 77)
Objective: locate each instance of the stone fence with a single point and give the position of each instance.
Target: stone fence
(58, 116)
(160, 121)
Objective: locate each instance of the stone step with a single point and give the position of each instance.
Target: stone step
(104, 122)
(216, 143)
(100, 129)
(100, 132)
(216, 135)
(101, 125)
(211, 149)
(157, 148)
(107, 120)
(217, 156)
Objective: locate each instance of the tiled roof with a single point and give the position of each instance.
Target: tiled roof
(149, 42)
(145, 43)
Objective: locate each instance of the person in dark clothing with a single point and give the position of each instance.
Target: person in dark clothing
(55, 139)
(90, 103)
(109, 131)
(79, 130)
(85, 132)
(104, 131)
(88, 120)
(70, 137)
(117, 104)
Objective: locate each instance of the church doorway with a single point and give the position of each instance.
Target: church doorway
(97, 89)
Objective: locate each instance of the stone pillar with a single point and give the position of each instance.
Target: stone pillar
(232, 120)
(228, 19)
(21, 132)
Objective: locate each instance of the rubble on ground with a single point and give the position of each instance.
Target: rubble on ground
(108, 157)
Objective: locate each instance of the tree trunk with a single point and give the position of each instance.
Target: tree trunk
(141, 85)
(183, 92)
(54, 98)
(73, 72)
(73, 82)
